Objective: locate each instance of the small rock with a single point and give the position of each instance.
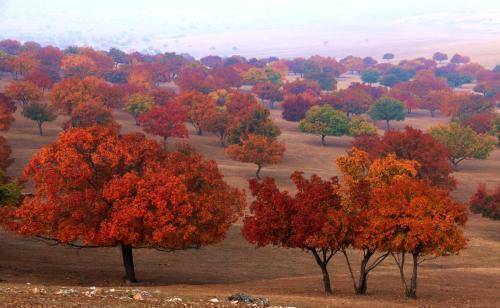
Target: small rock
(138, 297)
(174, 299)
(112, 290)
(213, 300)
(249, 299)
(234, 302)
(35, 290)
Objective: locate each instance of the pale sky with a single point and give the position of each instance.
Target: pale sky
(249, 27)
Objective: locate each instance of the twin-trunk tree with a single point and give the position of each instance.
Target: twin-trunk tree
(96, 188)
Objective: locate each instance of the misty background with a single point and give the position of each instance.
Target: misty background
(284, 28)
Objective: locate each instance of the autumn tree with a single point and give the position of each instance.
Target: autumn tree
(419, 220)
(268, 91)
(24, 92)
(463, 142)
(78, 66)
(360, 177)
(40, 78)
(96, 188)
(352, 100)
(387, 109)
(197, 105)
(5, 151)
(257, 75)
(313, 220)
(70, 92)
(486, 202)
(39, 113)
(138, 104)
(21, 65)
(412, 144)
(89, 114)
(165, 121)
(7, 109)
(435, 100)
(325, 121)
(217, 121)
(300, 86)
(257, 149)
(295, 107)
(458, 59)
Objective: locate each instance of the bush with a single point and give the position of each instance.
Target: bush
(486, 203)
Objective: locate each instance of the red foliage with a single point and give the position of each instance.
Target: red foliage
(94, 187)
(485, 202)
(7, 108)
(89, 114)
(165, 121)
(296, 106)
(481, 123)
(412, 144)
(300, 86)
(312, 220)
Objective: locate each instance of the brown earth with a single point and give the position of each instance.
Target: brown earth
(286, 276)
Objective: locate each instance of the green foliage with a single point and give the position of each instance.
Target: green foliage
(370, 76)
(325, 121)
(463, 142)
(387, 109)
(40, 113)
(139, 104)
(359, 126)
(396, 75)
(256, 75)
(456, 80)
(10, 192)
(259, 123)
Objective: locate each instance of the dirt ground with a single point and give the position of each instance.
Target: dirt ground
(287, 277)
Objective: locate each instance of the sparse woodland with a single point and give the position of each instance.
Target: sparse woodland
(392, 201)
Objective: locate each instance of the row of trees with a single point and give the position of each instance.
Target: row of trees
(380, 207)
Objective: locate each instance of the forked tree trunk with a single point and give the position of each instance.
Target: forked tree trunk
(128, 263)
(361, 286)
(411, 289)
(322, 262)
(323, 143)
(222, 138)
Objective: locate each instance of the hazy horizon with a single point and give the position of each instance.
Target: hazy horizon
(257, 28)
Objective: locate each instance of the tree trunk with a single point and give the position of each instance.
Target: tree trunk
(412, 290)
(40, 130)
(387, 125)
(326, 280)
(433, 113)
(199, 131)
(128, 263)
(257, 173)
(164, 143)
(323, 264)
(222, 139)
(271, 104)
(323, 140)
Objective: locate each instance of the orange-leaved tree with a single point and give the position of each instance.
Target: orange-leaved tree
(97, 188)
(360, 176)
(420, 220)
(24, 92)
(312, 220)
(7, 108)
(257, 149)
(89, 114)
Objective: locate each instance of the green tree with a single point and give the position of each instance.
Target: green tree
(463, 142)
(325, 121)
(40, 113)
(387, 109)
(139, 104)
(370, 76)
(359, 127)
(10, 192)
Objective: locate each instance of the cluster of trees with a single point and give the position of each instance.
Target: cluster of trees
(485, 202)
(380, 206)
